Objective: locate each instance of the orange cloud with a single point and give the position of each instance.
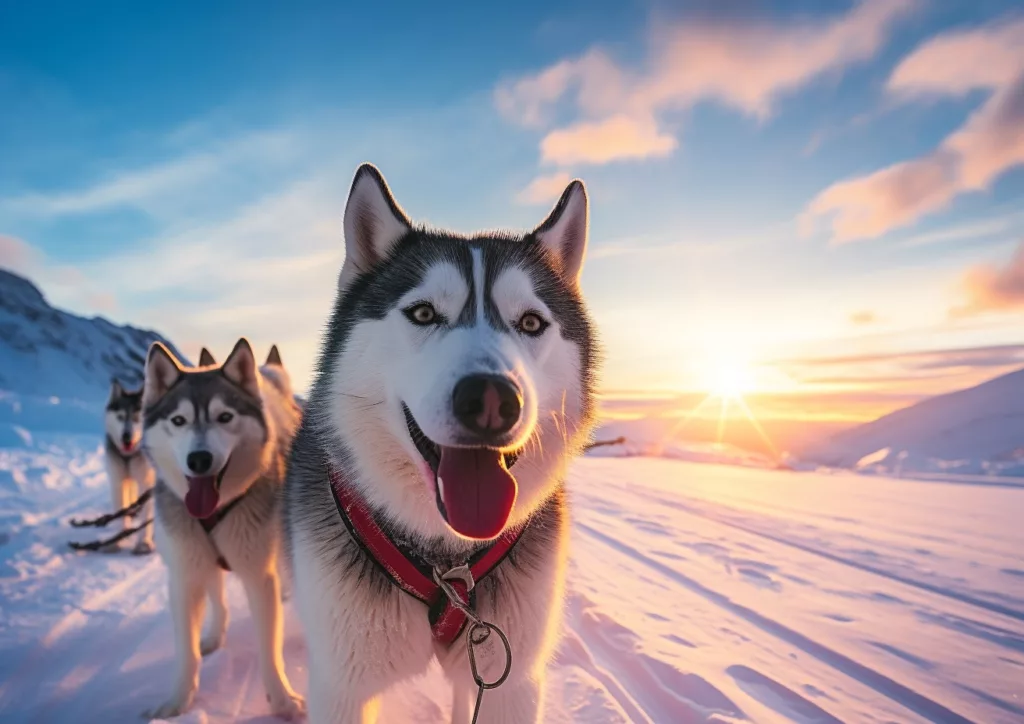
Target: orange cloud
(746, 66)
(863, 317)
(544, 189)
(993, 288)
(618, 137)
(970, 159)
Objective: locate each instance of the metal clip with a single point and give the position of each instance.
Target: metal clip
(460, 573)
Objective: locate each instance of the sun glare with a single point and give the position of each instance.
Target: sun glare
(731, 380)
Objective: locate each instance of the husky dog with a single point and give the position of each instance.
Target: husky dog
(454, 386)
(128, 469)
(219, 439)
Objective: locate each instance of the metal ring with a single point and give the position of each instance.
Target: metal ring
(473, 642)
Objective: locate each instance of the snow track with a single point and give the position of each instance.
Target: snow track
(698, 594)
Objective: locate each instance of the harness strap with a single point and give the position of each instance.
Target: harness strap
(410, 573)
(210, 522)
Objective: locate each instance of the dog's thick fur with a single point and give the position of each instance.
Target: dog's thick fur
(364, 633)
(128, 470)
(245, 418)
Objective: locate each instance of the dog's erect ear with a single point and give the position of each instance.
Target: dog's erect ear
(564, 232)
(240, 368)
(373, 222)
(274, 358)
(206, 358)
(116, 390)
(162, 370)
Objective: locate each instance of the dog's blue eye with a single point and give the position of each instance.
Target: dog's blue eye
(531, 324)
(225, 417)
(423, 314)
(177, 420)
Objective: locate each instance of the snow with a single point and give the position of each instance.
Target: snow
(977, 431)
(697, 593)
(56, 367)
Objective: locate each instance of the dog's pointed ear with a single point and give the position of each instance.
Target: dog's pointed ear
(374, 222)
(564, 232)
(206, 358)
(240, 368)
(116, 390)
(274, 358)
(162, 370)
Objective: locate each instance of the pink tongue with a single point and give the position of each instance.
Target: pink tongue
(477, 491)
(202, 496)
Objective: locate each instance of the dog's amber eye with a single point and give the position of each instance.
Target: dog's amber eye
(422, 314)
(177, 420)
(225, 417)
(531, 324)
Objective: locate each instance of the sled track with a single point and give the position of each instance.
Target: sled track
(879, 682)
(990, 606)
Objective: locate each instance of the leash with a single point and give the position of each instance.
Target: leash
(103, 520)
(98, 544)
(449, 596)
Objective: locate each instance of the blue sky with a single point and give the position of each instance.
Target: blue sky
(771, 183)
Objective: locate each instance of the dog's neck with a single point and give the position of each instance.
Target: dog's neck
(115, 449)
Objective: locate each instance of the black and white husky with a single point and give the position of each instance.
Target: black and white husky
(454, 386)
(219, 439)
(128, 470)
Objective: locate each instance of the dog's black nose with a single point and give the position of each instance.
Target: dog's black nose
(200, 462)
(126, 439)
(487, 405)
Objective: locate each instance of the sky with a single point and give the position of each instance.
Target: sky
(824, 199)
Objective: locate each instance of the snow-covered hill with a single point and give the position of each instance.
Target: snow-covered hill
(979, 430)
(56, 367)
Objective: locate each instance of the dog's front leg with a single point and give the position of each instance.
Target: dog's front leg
(144, 538)
(186, 602)
(264, 594)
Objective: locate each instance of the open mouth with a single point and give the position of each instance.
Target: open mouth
(474, 489)
(203, 494)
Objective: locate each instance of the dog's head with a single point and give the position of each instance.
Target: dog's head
(123, 418)
(205, 428)
(457, 375)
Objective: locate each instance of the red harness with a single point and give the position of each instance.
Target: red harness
(415, 576)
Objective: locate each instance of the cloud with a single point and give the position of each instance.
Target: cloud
(148, 187)
(863, 318)
(16, 255)
(993, 288)
(987, 145)
(742, 64)
(544, 189)
(618, 137)
(940, 359)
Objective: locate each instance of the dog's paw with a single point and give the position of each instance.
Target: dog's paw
(288, 706)
(174, 706)
(143, 548)
(210, 643)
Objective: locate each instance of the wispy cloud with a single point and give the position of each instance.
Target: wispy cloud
(864, 318)
(745, 65)
(989, 143)
(150, 186)
(993, 287)
(544, 189)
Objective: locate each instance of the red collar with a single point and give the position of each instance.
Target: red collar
(409, 572)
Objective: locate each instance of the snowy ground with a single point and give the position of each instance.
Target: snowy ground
(698, 593)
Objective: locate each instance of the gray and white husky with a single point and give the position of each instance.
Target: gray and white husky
(454, 386)
(219, 439)
(128, 470)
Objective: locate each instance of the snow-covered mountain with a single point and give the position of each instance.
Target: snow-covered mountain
(56, 367)
(974, 431)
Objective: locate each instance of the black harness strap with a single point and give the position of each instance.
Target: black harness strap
(212, 521)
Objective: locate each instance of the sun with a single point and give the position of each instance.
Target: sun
(731, 380)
